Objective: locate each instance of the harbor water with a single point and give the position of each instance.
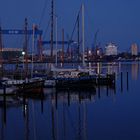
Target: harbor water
(107, 113)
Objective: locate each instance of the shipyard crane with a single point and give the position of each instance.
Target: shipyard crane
(70, 41)
(34, 32)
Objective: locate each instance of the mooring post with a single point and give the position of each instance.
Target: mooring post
(79, 97)
(4, 89)
(99, 95)
(4, 102)
(56, 102)
(114, 83)
(121, 81)
(68, 98)
(42, 105)
(127, 81)
(107, 85)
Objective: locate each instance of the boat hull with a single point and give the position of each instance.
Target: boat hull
(8, 90)
(31, 87)
(75, 83)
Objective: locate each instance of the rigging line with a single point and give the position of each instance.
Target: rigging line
(76, 23)
(34, 124)
(74, 28)
(89, 18)
(43, 12)
(46, 30)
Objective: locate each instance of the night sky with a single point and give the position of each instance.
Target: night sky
(118, 21)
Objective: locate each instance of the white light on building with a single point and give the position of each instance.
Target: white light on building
(134, 49)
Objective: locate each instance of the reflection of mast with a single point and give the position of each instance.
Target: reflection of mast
(64, 121)
(2, 126)
(79, 122)
(82, 128)
(3, 110)
(27, 123)
(26, 117)
(84, 121)
(34, 126)
(53, 119)
(4, 105)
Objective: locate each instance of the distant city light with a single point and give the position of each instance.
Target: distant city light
(89, 52)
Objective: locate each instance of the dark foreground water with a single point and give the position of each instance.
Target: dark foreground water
(104, 114)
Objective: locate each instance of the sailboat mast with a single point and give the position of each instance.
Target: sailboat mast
(26, 48)
(62, 57)
(78, 38)
(52, 24)
(33, 46)
(56, 40)
(83, 33)
(1, 46)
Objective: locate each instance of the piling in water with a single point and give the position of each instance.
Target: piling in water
(68, 98)
(4, 103)
(127, 81)
(121, 81)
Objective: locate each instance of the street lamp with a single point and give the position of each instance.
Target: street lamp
(23, 54)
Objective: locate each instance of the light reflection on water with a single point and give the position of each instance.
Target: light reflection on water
(106, 113)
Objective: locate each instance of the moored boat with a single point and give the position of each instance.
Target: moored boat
(27, 85)
(49, 83)
(8, 90)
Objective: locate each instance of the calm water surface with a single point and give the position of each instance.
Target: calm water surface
(104, 114)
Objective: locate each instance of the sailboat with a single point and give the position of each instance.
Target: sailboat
(33, 84)
(71, 77)
(7, 90)
(4, 89)
(27, 85)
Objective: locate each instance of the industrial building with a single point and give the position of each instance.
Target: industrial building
(111, 49)
(11, 54)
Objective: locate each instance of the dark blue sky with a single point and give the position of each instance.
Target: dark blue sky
(118, 21)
